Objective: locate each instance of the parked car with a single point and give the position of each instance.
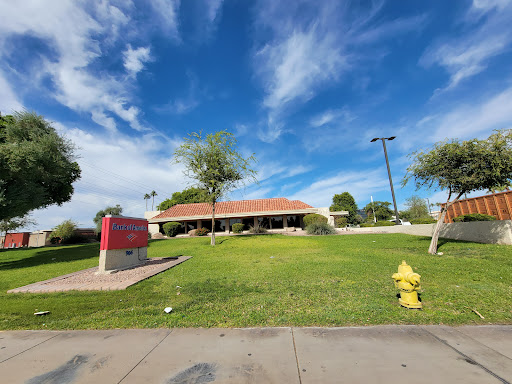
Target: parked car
(402, 222)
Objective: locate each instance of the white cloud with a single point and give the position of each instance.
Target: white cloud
(470, 120)
(134, 59)
(77, 35)
(213, 9)
(332, 115)
(359, 184)
(166, 13)
(8, 100)
(300, 50)
(486, 37)
(117, 169)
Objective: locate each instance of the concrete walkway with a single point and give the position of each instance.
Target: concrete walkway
(383, 354)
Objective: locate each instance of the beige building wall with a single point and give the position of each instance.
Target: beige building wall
(39, 239)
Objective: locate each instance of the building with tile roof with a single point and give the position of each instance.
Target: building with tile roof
(273, 214)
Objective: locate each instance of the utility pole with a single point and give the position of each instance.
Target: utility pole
(397, 220)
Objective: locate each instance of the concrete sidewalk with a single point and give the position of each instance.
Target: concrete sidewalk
(382, 354)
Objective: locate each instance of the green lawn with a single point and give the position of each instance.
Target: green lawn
(269, 280)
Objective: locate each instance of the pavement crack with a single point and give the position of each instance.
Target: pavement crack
(468, 358)
(296, 357)
(146, 355)
(28, 349)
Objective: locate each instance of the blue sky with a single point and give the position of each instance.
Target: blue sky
(305, 85)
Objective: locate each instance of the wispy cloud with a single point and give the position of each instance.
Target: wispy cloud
(332, 115)
(306, 51)
(359, 184)
(71, 31)
(8, 100)
(134, 59)
(165, 12)
(487, 35)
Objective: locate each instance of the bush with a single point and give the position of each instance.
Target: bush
(365, 225)
(202, 231)
(314, 218)
(474, 217)
(171, 229)
(64, 232)
(340, 222)
(257, 229)
(424, 220)
(384, 223)
(320, 229)
(238, 228)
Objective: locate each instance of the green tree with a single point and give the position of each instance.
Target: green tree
(147, 197)
(215, 165)
(462, 167)
(416, 208)
(382, 210)
(153, 194)
(37, 166)
(345, 202)
(98, 219)
(187, 196)
(64, 231)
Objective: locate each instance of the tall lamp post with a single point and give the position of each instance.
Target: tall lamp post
(397, 220)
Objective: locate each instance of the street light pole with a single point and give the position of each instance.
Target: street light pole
(397, 220)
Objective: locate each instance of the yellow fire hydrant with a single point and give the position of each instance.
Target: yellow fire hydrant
(408, 283)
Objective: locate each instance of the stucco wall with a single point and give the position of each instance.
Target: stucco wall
(491, 232)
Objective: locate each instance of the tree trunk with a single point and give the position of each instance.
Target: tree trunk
(435, 236)
(213, 224)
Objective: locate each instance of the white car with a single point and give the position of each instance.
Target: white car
(401, 222)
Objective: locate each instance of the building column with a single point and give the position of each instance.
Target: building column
(285, 222)
(226, 225)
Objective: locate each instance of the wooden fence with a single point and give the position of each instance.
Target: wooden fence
(498, 205)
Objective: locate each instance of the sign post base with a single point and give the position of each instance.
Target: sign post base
(112, 260)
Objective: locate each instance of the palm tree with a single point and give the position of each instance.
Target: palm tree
(153, 194)
(147, 197)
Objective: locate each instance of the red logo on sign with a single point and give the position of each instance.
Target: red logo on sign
(131, 237)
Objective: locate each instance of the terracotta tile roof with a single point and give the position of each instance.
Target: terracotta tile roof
(233, 207)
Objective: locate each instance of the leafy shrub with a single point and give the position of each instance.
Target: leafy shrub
(238, 228)
(63, 232)
(171, 229)
(314, 218)
(365, 225)
(341, 222)
(474, 217)
(257, 229)
(202, 231)
(424, 220)
(384, 223)
(320, 229)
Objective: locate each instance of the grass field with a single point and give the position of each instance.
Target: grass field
(269, 280)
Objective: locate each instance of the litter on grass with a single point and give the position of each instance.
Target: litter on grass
(42, 313)
(168, 310)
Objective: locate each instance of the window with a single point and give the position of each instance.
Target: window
(248, 222)
(293, 221)
(220, 225)
(264, 222)
(206, 224)
(276, 222)
(233, 221)
(191, 225)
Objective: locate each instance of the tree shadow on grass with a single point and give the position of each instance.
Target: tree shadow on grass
(52, 255)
